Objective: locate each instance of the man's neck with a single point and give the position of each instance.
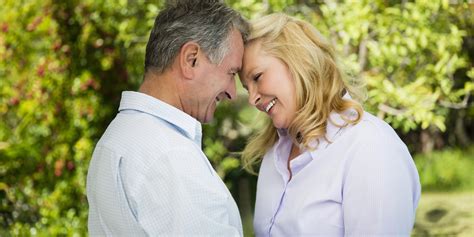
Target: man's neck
(163, 87)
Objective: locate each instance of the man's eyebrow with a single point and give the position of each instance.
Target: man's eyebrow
(235, 69)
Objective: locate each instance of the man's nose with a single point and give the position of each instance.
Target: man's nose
(231, 92)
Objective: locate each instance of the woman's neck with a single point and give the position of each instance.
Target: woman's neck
(295, 152)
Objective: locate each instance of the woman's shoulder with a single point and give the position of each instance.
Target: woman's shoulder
(372, 128)
(372, 137)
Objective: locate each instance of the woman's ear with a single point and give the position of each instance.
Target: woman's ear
(188, 59)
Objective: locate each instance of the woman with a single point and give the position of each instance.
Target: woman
(328, 168)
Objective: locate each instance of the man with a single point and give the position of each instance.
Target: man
(148, 174)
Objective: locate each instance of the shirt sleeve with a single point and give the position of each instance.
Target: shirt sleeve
(381, 190)
(179, 195)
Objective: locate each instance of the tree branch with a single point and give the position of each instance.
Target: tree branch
(363, 54)
(460, 105)
(390, 110)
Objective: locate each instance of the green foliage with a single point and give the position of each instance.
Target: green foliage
(408, 54)
(62, 67)
(41, 124)
(450, 169)
(224, 138)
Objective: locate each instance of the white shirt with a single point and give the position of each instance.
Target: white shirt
(149, 176)
(364, 183)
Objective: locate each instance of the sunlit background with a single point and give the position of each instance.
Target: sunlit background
(63, 65)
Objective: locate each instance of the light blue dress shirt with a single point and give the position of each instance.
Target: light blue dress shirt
(362, 183)
(148, 176)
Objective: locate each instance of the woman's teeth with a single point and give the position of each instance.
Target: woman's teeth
(270, 105)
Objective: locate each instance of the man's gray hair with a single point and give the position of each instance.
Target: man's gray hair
(206, 22)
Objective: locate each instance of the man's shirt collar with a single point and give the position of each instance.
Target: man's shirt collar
(141, 102)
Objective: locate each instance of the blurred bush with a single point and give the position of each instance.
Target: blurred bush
(447, 170)
(62, 67)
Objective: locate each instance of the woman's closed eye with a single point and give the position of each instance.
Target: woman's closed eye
(257, 77)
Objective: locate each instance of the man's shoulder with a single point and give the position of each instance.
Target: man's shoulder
(144, 145)
(138, 133)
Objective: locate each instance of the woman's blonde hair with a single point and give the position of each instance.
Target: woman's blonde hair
(320, 83)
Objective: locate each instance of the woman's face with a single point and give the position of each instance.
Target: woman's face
(270, 85)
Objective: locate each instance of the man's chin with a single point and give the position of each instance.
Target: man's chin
(207, 119)
(208, 116)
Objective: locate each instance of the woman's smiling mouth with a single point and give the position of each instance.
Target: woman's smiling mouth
(270, 105)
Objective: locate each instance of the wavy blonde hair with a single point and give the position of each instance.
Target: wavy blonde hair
(320, 83)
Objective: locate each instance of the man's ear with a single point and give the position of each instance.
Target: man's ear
(188, 59)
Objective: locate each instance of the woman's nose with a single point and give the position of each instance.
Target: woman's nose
(254, 97)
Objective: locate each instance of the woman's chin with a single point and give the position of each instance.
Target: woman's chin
(279, 124)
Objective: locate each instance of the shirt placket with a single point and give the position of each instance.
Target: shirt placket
(280, 203)
(283, 150)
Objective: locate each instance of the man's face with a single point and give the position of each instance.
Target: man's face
(214, 83)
